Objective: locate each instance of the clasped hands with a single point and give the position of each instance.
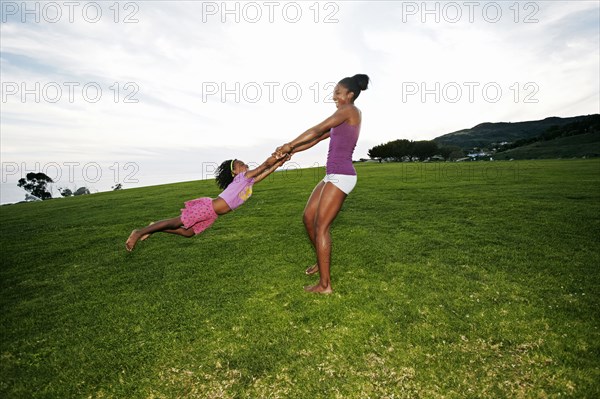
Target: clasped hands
(283, 151)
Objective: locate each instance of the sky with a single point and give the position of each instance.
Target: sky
(153, 92)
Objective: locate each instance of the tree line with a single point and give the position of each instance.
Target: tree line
(36, 184)
(422, 150)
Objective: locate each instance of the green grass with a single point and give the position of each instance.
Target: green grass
(474, 280)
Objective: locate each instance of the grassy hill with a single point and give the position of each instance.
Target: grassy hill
(484, 134)
(584, 145)
(475, 280)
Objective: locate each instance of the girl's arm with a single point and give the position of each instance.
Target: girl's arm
(342, 114)
(267, 167)
(270, 169)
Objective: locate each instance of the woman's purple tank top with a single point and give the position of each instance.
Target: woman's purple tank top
(341, 146)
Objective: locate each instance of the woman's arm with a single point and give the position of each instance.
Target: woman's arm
(309, 144)
(315, 132)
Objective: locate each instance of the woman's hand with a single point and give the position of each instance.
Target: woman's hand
(282, 151)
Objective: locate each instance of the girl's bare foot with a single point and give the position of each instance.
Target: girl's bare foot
(142, 238)
(318, 289)
(312, 269)
(132, 240)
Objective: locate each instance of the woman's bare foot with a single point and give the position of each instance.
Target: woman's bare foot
(142, 238)
(132, 240)
(318, 289)
(312, 269)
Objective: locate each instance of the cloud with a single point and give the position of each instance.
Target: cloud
(184, 81)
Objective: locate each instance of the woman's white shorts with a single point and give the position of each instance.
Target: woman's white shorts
(345, 183)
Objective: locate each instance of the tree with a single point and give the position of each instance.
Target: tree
(31, 198)
(81, 191)
(65, 192)
(393, 149)
(398, 149)
(36, 184)
(424, 149)
(452, 152)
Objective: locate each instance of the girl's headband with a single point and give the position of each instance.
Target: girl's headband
(231, 167)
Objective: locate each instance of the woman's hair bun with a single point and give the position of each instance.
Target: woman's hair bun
(362, 81)
(355, 84)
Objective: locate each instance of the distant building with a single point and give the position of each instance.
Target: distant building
(479, 154)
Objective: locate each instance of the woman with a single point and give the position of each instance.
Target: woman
(326, 200)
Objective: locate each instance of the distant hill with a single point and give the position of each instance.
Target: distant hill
(583, 145)
(486, 134)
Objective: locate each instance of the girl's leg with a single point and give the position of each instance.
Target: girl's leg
(145, 236)
(167, 225)
(328, 208)
(309, 218)
(182, 231)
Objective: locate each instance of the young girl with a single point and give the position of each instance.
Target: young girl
(199, 214)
